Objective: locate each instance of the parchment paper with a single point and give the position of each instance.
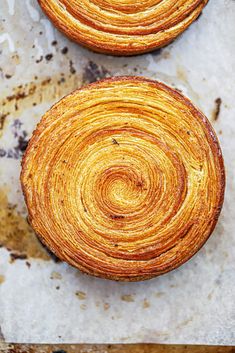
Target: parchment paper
(42, 300)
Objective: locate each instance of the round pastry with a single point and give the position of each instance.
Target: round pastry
(124, 179)
(122, 27)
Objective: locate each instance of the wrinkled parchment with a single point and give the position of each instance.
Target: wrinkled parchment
(42, 300)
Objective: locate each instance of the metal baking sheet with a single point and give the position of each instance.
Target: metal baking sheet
(45, 301)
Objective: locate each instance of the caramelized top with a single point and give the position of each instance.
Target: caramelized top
(124, 179)
(122, 27)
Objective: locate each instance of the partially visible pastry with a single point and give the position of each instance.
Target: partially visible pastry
(124, 179)
(122, 27)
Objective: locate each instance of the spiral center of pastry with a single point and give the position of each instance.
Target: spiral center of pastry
(121, 188)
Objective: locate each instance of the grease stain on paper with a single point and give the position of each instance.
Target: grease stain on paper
(2, 279)
(80, 295)
(29, 95)
(106, 306)
(16, 235)
(128, 298)
(55, 275)
(83, 306)
(145, 304)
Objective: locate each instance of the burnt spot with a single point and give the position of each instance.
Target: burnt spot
(39, 60)
(18, 96)
(114, 216)
(61, 80)
(16, 256)
(21, 95)
(71, 67)
(48, 57)
(46, 81)
(28, 264)
(22, 144)
(114, 141)
(216, 111)
(54, 43)
(64, 50)
(93, 72)
(60, 351)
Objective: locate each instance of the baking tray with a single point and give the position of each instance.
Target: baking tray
(46, 301)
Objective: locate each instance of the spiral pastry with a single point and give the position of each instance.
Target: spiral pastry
(122, 27)
(124, 179)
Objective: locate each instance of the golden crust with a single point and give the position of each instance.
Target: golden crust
(124, 179)
(124, 27)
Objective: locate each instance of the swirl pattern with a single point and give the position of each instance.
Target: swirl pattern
(124, 179)
(122, 27)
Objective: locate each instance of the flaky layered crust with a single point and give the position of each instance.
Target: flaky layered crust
(122, 27)
(124, 179)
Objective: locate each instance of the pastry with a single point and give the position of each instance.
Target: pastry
(124, 179)
(124, 27)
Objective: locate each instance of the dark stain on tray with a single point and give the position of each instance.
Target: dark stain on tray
(16, 256)
(46, 81)
(48, 57)
(2, 338)
(71, 67)
(28, 264)
(64, 50)
(16, 235)
(93, 72)
(29, 91)
(39, 60)
(157, 52)
(21, 138)
(216, 111)
(31, 94)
